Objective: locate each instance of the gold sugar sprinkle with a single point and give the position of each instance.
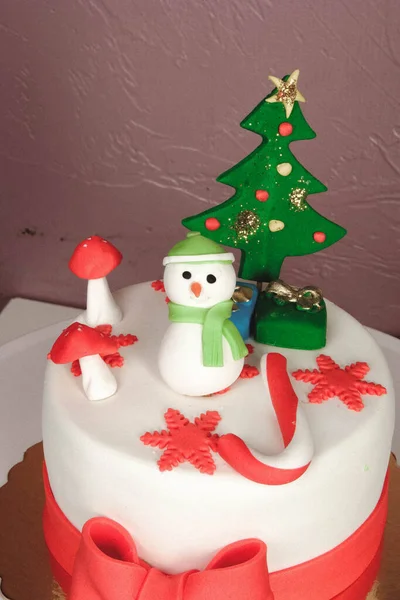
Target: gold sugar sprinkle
(246, 224)
(287, 92)
(297, 199)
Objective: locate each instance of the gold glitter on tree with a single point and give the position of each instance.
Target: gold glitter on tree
(297, 199)
(246, 224)
(287, 92)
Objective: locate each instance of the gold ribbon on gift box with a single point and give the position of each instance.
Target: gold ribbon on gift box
(306, 298)
(242, 293)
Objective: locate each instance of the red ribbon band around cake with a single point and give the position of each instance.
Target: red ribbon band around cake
(102, 564)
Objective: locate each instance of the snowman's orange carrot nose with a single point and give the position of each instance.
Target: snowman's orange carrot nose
(196, 288)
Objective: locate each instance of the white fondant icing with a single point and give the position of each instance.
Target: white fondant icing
(101, 307)
(391, 349)
(180, 357)
(97, 380)
(98, 466)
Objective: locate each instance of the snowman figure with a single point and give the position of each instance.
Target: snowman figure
(202, 352)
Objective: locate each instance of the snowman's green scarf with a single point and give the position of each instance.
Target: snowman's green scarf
(215, 322)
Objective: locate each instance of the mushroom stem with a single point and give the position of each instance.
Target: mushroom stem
(101, 307)
(97, 380)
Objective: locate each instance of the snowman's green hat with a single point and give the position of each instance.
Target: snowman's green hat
(196, 248)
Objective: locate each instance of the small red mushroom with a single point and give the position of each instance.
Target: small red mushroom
(93, 259)
(88, 345)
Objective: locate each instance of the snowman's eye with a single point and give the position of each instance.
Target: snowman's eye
(186, 274)
(211, 278)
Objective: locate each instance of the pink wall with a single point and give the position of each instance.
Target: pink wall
(117, 115)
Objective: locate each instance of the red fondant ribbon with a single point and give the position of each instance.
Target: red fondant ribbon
(238, 455)
(107, 567)
(286, 405)
(103, 561)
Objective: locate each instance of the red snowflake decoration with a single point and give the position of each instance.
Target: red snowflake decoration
(186, 441)
(124, 340)
(250, 348)
(248, 372)
(347, 384)
(112, 360)
(158, 285)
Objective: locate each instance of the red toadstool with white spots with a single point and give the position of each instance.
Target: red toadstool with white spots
(80, 342)
(93, 259)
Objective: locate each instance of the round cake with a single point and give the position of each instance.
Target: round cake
(98, 464)
(240, 451)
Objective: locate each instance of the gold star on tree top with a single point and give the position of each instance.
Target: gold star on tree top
(286, 92)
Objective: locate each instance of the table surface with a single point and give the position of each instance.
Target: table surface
(27, 329)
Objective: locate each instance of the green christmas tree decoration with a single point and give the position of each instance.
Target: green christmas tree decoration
(269, 218)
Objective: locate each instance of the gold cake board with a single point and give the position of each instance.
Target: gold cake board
(24, 564)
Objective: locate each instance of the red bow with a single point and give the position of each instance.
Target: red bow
(107, 567)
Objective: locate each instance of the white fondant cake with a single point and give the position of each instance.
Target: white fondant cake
(97, 464)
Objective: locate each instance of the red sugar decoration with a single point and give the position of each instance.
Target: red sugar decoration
(262, 195)
(285, 129)
(76, 369)
(167, 299)
(106, 329)
(248, 372)
(346, 384)
(250, 348)
(186, 441)
(158, 285)
(112, 360)
(319, 236)
(124, 340)
(212, 224)
(94, 258)
(79, 340)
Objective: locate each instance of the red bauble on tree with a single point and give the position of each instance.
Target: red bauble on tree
(212, 224)
(262, 195)
(285, 129)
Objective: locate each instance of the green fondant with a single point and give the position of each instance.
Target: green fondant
(286, 326)
(264, 251)
(215, 322)
(194, 245)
